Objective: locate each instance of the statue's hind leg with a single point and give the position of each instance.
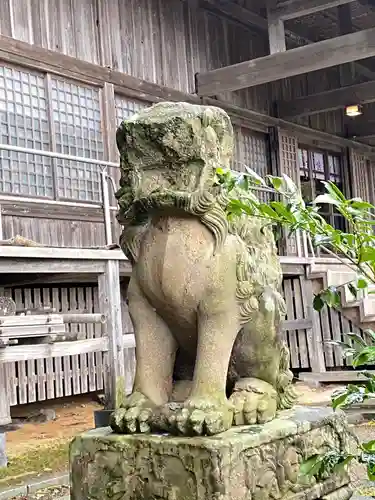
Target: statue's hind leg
(260, 363)
(155, 355)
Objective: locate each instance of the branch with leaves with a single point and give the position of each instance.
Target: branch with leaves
(355, 248)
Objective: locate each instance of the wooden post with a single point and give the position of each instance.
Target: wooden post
(313, 335)
(110, 306)
(4, 398)
(287, 146)
(109, 132)
(276, 31)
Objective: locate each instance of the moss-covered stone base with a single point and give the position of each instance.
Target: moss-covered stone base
(245, 463)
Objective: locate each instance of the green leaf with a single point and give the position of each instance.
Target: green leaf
(311, 466)
(357, 339)
(243, 183)
(334, 191)
(331, 297)
(361, 205)
(256, 178)
(283, 211)
(325, 199)
(369, 446)
(268, 211)
(371, 471)
(344, 463)
(276, 182)
(362, 283)
(291, 188)
(322, 239)
(367, 254)
(364, 357)
(339, 401)
(370, 333)
(318, 303)
(221, 171)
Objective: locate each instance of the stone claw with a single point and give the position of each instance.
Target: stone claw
(254, 401)
(134, 417)
(200, 416)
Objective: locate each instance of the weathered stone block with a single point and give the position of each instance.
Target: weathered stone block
(258, 462)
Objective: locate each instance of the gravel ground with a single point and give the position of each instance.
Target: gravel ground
(53, 493)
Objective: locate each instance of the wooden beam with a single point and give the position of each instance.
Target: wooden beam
(59, 212)
(347, 71)
(302, 132)
(41, 266)
(237, 13)
(327, 101)
(250, 19)
(320, 55)
(61, 253)
(31, 56)
(13, 354)
(336, 376)
(365, 138)
(297, 8)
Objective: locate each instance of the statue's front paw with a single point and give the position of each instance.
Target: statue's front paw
(201, 416)
(254, 400)
(135, 415)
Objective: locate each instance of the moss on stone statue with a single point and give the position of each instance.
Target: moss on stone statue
(254, 462)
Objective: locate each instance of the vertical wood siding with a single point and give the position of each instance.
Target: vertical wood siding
(38, 380)
(162, 41)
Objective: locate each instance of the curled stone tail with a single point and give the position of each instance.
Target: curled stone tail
(287, 395)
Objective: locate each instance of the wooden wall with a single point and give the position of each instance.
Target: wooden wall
(162, 41)
(51, 227)
(38, 380)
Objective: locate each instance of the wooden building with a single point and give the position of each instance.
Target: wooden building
(71, 70)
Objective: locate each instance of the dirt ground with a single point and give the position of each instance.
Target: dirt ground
(72, 417)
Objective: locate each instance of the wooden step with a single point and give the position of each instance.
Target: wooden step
(367, 309)
(348, 299)
(338, 278)
(334, 376)
(317, 269)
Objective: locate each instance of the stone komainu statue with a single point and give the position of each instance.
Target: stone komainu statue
(204, 293)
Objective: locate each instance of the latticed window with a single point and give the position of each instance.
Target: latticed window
(126, 107)
(78, 132)
(24, 123)
(251, 150)
(315, 167)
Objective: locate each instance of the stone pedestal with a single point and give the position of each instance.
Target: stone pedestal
(244, 463)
